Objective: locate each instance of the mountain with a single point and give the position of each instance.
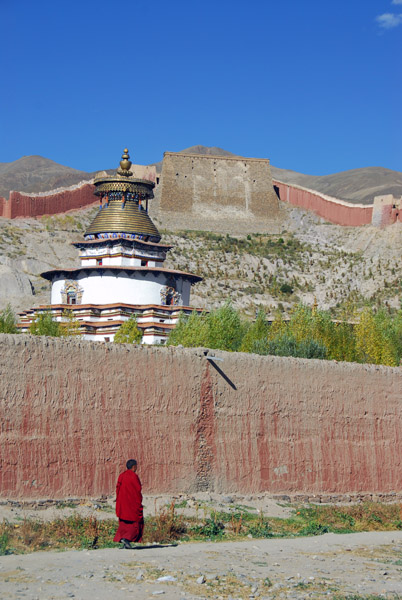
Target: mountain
(37, 174)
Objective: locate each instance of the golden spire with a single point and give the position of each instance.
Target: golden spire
(125, 164)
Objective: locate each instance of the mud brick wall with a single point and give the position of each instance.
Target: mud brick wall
(58, 201)
(217, 185)
(332, 210)
(72, 412)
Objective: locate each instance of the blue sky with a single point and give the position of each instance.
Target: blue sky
(315, 86)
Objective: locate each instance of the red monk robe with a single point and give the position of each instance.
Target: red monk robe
(129, 507)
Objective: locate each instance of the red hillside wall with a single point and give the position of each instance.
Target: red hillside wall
(78, 410)
(23, 205)
(3, 207)
(330, 209)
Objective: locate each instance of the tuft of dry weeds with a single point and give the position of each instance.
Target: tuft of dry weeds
(167, 526)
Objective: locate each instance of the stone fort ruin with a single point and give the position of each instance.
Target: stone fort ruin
(216, 187)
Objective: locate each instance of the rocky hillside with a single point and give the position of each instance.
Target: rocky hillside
(305, 259)
(37, 174)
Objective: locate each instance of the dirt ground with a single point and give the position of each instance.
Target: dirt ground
(326, 566)
(318, 567)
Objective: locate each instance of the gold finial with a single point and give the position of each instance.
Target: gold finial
(125, 164)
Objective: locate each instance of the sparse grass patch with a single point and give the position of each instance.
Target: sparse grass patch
(168, 526)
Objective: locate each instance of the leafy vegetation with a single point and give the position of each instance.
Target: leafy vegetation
(169, 526)
(221, 328)
(370, 337)
(44, 324)
(8, 320)
(70, 325)
(129, 333)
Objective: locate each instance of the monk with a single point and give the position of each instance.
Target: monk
(129, 506)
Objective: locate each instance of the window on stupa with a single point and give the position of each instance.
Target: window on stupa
(71, 298)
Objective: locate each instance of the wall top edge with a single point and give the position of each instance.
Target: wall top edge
(70, 188)
(22, 339)
(324, 196)
(215, 157)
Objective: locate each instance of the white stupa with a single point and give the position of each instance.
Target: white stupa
(121, 270)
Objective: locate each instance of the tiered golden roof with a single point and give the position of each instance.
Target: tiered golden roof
(123, 198)
(116, 219)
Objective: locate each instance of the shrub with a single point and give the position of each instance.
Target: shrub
(257, 332)
(44, 324)
(221, 328)
(8, 321)
(286, 288)
(70, 325)
(210, 528)
(287, 345)
(129, 333)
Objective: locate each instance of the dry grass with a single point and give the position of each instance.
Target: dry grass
(168, 526)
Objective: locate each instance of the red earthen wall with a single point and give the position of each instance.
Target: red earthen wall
(22, 205)
(389, 215)
(72, 412)
(331, 210)
(3, 207)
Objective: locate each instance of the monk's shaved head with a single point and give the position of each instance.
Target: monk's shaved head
(131, 463)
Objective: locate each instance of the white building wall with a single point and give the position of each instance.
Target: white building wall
(134, 288)
(147, 339)
(126, 261)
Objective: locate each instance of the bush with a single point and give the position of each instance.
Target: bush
(310, 333)
(44, 324)
(211, 528)
(256, 333)
(286, 288)
(221, 328)
(129, 333)
(260, 347)
(8, 321)
(286, 345)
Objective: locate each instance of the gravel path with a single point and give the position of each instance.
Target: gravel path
(316, 567)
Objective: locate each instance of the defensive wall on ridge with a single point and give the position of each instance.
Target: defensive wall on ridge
(72, 412)
(205, 190)
(20, 204)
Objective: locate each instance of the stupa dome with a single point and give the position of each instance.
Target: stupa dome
(124, 204)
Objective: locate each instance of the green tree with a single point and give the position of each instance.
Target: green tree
(225, 328)
(70, 325)
(44, 324)
(376, 341)
(287, 345)
(191, 331)
(8, 320)
(129, 333)
(257, 331)
(222, 328)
